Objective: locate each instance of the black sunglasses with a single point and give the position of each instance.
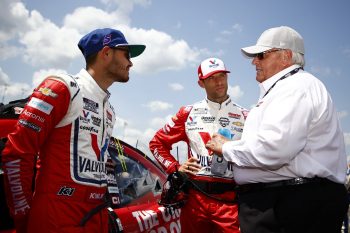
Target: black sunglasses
(261, 56)
(126, 49)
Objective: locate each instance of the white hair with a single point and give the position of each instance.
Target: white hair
(298, 59)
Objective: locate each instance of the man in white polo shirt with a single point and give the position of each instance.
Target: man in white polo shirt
(290, 163)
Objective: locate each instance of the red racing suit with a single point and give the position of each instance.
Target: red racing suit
(195, 125)
(67, 123)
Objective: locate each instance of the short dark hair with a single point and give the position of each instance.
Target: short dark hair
(91, 60)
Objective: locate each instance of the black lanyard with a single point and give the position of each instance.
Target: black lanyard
(283, 77)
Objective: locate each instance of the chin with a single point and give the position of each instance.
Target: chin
(259, 79)
(124, 80)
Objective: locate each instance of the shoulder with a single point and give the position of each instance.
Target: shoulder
(70, 83)
(186, 109)
(76, 99)
(236, 108)
(303, 80)
(239, 107)
(305, 84)
(183, 112)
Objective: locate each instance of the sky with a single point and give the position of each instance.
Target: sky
(39, 38)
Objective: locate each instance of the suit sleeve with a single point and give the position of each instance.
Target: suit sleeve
(46, 107)
(171, 133)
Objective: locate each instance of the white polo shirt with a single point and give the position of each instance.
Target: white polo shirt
(292, 132)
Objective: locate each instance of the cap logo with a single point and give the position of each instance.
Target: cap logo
(213, 64)
(107, 39)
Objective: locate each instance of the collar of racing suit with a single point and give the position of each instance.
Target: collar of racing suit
(93, 86)
(217, 106)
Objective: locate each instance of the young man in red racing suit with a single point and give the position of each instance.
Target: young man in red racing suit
(67, 122)
(214, 210)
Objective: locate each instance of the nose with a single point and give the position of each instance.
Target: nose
(255, 61)
(219, 79)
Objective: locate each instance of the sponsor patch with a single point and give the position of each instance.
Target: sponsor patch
(96, 121)
(234, 115)
(191, 121)
(90, 105)
(96, 196)
(213, 64)
(20, 203)
(47, 92)
(195, 128)
(223, 121)
(237, 123)
(109, 116)
(85, 118)
(87, 165)
(30, 125)
(40, 105)
(33, 116)
(113, 190)
(66, 191)
(201, 111)
(208, 119)
(18, 110)
(73, 84)
(89, 128)
(86, 114)
(240, 130)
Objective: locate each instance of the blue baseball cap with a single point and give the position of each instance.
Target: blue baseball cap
(94, 41)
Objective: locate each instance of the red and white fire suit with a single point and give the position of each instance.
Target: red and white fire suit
(67, 122)
(195, 125)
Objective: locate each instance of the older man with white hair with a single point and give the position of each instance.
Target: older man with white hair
(290, 163)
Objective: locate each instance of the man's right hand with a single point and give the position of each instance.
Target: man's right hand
(216, 143)
(191, 166)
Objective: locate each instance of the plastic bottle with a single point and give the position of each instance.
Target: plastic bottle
(219, 163)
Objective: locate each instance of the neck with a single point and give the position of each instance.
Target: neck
(219, 100)
(100, 79)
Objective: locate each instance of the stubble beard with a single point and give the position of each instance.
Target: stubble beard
(122, 75)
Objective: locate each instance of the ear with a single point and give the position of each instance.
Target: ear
(106, 52)
(287, 57)
(201, 83)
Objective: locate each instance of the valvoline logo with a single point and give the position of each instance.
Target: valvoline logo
(213, 64)
(192, 121)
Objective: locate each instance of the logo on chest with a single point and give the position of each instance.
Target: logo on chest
(224, 121)
(90, 105)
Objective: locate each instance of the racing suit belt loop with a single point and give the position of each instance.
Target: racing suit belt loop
(212, 187)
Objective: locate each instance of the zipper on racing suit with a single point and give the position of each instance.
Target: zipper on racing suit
(113, 195)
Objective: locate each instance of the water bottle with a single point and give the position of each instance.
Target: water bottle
(219, 163)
